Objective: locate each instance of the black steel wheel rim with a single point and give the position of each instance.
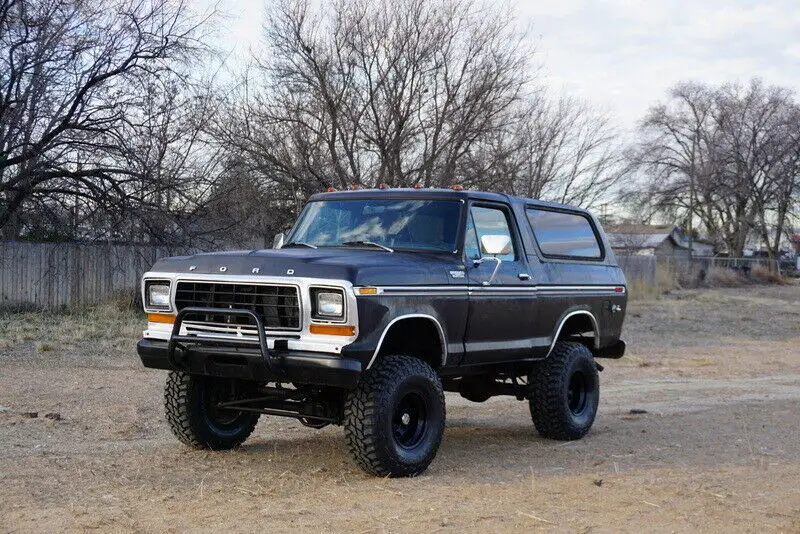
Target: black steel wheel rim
(222, 418)
(577, 393)
(410, 420)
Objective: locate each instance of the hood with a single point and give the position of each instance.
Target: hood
(359, 266)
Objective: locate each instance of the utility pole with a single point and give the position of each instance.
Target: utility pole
(691, 212)
(692, 172)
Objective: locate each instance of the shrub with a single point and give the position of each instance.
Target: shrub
(125, 300)
(722, 277)
(644, 289)
(766, 275)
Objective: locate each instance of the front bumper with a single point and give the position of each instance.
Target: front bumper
(249, 364)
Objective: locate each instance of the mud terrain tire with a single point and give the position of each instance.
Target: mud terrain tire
(190, 406)
(394, 419)
(566, 392)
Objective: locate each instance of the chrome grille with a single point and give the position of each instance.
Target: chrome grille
(278, 306)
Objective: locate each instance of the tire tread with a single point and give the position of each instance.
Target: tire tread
(546, 403)
(363, 407)
(179, 400)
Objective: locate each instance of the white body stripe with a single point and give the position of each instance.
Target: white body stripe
(457, 290)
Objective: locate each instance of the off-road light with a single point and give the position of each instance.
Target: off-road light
(328, 304)
(158, 295)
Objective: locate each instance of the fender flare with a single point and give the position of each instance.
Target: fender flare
(595, 329)
(439, 329)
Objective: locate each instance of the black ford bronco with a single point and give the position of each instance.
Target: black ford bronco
(374, 305)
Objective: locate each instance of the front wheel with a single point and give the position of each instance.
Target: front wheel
(191, 406)
(566, 392)
(394, 419)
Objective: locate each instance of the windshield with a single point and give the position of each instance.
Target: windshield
(398, 223)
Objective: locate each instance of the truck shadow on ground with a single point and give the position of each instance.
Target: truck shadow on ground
(465, 447)
(497, 449)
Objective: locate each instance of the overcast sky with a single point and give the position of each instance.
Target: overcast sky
(623, 55)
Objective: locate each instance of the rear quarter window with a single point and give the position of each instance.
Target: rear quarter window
(562, 234)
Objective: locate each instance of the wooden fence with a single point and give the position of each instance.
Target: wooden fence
(54, 275)
(638, 268)
(644, 269)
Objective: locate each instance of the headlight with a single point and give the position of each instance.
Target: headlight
(328, 304)
(157, 295)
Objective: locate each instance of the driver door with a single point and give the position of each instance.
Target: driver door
(502, 302)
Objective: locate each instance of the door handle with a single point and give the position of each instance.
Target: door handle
(524, 276)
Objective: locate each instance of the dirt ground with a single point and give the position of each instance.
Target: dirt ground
(717, 373)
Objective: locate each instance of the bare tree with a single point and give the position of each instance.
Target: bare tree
(726, 155)
(558, 150)
(396, 92)
(107, 132)
(172, 167)
(758, 126)
(407, 92)
(69, 70)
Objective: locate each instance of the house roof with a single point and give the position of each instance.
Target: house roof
(624, 240)
(637, 236)
(639, 229)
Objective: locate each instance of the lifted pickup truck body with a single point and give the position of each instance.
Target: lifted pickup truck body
(480, 288)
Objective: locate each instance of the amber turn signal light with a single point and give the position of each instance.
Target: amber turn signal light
(161, 318)
(367, 290)
(332, 330)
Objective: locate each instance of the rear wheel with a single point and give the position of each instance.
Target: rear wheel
(191, 406)
(566, 392)
(394, 420)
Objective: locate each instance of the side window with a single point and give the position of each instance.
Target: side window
(491, 221)
(564, 235)
(471, 249)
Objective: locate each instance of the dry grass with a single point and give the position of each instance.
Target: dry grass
(125, 301)
(107, 323)
(643, 289)
(767, 276)
(721, 277)
(694, 433)
(668, 278)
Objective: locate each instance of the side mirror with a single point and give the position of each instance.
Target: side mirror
(492, 246)
(279, 240)
(496, 245)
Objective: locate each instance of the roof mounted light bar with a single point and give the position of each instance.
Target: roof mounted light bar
(456, 187)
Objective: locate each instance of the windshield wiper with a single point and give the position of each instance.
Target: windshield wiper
(368, 244)
(299, 244)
